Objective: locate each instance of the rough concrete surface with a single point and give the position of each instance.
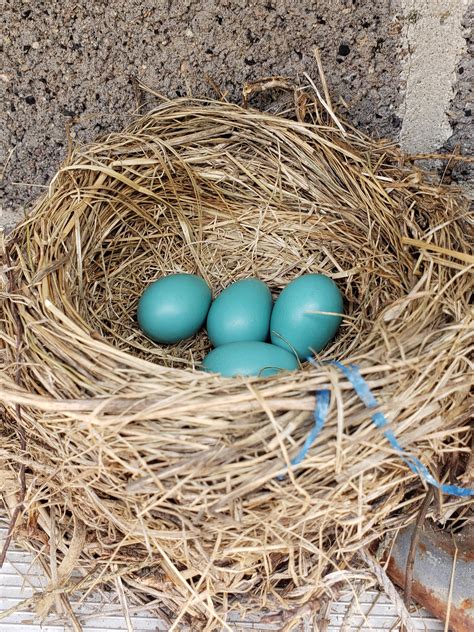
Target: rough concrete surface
(70, 61)
(461, 110)
(438, 75)
(429, 75)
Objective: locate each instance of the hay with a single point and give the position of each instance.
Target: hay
(141, 471)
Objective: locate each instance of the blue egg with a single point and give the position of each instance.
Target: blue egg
(174, 307)
(295, 326)
(249, 358)
(240, 313)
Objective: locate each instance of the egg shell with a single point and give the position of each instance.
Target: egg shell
(174, 307)
(249, 358)
(294, 327)
(240, 313)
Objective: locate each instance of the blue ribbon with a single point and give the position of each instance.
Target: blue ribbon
(363, 391)
(320, 413)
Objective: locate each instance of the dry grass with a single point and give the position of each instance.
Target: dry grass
(141, 471)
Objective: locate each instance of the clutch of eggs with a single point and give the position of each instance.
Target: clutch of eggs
(251, 336)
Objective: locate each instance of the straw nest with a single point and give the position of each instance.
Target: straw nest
(124, 461)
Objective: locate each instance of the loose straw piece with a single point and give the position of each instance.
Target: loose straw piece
(451, 588)
(425, 245)
(389, 589)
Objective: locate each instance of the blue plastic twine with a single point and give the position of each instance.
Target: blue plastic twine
(363, 391)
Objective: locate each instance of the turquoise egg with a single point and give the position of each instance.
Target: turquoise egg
(240, 313)
(249, 358)
(293, 325)
(174, 307)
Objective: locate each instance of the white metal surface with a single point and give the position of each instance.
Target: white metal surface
(100, 613)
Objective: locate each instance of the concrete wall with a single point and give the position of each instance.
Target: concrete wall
(402, 67)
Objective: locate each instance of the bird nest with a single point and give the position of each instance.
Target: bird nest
(137, 469)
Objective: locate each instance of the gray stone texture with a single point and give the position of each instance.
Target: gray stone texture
(461, 110)
(73, 62)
